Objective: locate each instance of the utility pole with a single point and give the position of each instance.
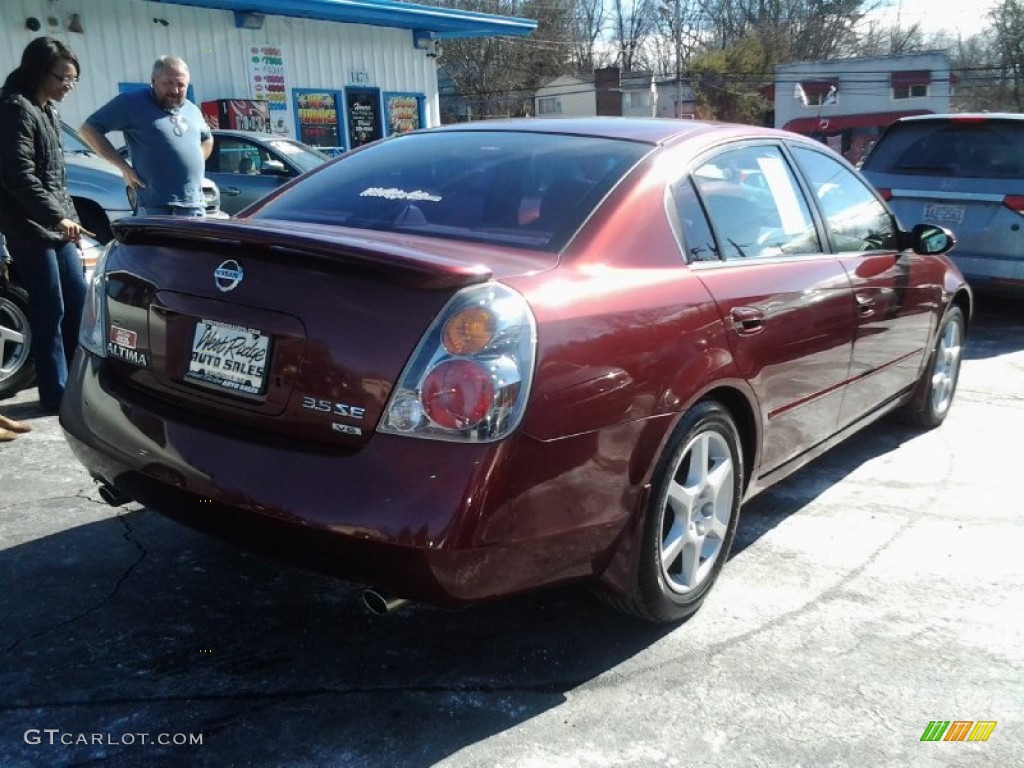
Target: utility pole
(679, 62)
(677, 36)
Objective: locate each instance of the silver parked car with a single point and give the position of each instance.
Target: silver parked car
(96, 187)
(965, 172)
(247, 166)
(98, 191)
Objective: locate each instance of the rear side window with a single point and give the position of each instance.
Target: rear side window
(981, 148)
(518, 189)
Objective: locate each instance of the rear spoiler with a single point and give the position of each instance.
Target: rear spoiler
(384, 254)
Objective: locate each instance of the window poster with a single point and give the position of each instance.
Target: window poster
(403, 111)
(363, 112)
(318, 118)
(267, 82)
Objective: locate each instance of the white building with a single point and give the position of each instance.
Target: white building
(848, 102)
(607, 92)
(335, 72)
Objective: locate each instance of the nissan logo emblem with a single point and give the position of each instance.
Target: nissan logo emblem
(228, 275)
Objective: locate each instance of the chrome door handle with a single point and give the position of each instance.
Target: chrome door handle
(747, 320)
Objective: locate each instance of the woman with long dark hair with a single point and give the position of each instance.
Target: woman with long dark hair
(36, 212)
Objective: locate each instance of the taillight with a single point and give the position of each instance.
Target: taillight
(92, 331)
(1014, 203)
(885, 192)
(457, 394)
(469, 378)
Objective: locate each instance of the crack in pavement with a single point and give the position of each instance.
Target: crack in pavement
(127, 535)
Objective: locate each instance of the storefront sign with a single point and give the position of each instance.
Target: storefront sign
(267, 82)
(318, 119)
(403, 112)
(364, 124)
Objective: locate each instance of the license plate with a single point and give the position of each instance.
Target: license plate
(229, 356)
(944, 214)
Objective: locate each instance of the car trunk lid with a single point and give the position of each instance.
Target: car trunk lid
(300, 335)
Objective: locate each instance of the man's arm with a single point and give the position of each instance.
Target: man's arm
(207, 147)
(101, 145)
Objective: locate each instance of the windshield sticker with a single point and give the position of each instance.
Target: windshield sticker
(123, 337)
(393, 193)
(122, 344)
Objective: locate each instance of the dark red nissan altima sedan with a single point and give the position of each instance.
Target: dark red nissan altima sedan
(479, 360)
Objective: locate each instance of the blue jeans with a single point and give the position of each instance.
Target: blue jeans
(53, 275)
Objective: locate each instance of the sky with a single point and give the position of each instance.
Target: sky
(968, 18)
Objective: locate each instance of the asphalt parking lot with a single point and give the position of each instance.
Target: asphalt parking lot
(878, 590)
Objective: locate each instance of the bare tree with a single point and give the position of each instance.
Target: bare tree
(678, 33)
(494, 76)
(632, 22)
(1008, 26)
(588, 21)
(788, 30)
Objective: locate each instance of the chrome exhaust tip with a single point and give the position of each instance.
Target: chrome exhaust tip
(112, 496)
(379, 604)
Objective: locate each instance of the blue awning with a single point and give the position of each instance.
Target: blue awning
(425, 19)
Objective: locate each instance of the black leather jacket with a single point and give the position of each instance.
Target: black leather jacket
(33, 181)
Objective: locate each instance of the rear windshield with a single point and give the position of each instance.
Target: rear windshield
(519, 189)
(986, 149)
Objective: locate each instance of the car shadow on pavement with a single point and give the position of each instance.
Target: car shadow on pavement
(133, 624)
(771, 507)
(997, 326)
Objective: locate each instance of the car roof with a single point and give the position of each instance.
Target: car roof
(652, 130)
(254, 135)
(963, 117)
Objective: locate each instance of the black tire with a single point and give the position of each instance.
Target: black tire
(17, 370)
(691, 518)
(940, 377)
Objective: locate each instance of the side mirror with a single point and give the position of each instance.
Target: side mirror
(273, 168)
(929, 239)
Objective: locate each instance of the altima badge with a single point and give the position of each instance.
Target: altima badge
(228, 275)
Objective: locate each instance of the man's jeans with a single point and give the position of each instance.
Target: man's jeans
(53, 275)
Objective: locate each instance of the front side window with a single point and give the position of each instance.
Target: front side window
(234, 156)
(855, 219)
(754, 204)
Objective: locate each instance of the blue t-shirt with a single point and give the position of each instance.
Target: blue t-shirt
(170, 165)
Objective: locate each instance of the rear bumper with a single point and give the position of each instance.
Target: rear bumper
(1003, 274)
(412, 518)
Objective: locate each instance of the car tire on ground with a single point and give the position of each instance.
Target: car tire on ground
(940, 377)
(691, 518)
(16, 368)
